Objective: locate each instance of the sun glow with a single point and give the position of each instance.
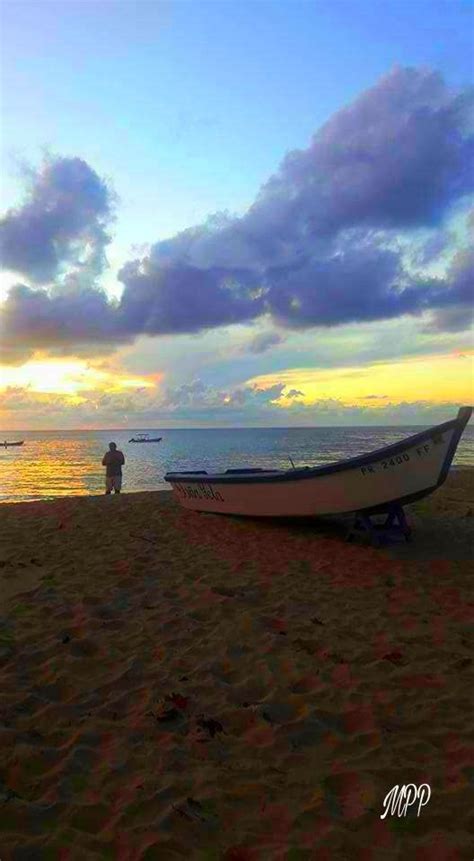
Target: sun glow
(67, 378)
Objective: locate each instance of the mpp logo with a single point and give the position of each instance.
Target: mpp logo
(399, 799)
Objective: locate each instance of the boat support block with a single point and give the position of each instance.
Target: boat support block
(378, 533)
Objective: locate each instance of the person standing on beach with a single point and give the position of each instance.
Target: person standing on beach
(113, 460)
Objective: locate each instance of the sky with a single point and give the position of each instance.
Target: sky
(235, 213)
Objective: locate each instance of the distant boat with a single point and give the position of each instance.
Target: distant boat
(145, 437)
(8, 444)
(380, 481)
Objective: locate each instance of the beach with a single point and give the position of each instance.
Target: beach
(178, 685)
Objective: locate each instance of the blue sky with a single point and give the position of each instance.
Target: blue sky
(186, 109)
(189, 106)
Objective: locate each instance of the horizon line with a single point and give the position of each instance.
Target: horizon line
(224, 427)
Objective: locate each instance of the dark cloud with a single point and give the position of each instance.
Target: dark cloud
(55, 320)
(394, 158)
(294, 393)
(455, 319)
(462, 275)
(63, 221)
(360, 284)
(263, 341)
(162, 300)
(317, 248)
(455, 311)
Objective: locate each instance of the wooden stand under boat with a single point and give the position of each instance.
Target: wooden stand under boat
(395, 525)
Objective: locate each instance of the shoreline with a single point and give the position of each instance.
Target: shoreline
(77, 496)
(467, 468)
(203, 686)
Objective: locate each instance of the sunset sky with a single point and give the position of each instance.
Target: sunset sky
(236, 213)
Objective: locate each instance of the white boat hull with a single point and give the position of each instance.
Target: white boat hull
(416, 467)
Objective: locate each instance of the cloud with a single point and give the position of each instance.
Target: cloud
(164, 300)
(456, 308)
(318, 247)
(456, 319)
(315, 237)
(263, 341)
(203, 404)
(394, 158)
(194, 395)
(67, 315)
(198, 398)
(63, 221)
(20, 398)
(361, 283)
(434, 247)
(193, 400)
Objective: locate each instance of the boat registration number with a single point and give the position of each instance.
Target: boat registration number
(396, 460)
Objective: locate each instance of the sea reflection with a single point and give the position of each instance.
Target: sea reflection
(68, 463)
(47, 468)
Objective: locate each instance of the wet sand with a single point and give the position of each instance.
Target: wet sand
(177, 685)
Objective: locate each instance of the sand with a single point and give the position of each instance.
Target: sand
(177, 685)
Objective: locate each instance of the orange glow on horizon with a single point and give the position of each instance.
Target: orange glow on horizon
(435, 379)
(46, 392)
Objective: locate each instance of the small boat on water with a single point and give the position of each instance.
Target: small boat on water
(381, 481)
(7, 444)
(145, 437)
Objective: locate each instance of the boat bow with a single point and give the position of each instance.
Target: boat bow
(398, 473)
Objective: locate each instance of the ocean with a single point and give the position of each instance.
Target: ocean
(68, 463)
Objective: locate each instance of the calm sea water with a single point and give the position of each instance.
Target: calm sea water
(68, 463)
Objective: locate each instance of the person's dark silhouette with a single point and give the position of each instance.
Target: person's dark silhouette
(113, 460)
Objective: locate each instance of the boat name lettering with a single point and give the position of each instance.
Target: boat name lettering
(199, 491)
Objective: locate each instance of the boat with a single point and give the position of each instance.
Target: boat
(381, 481)
(145, 437)
(7, 444)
